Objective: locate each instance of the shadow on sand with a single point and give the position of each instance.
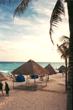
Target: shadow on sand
(53, 91)
(38, 87)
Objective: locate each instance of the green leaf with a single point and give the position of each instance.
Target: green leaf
(56, 16)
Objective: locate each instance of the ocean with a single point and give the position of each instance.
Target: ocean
(7, 67)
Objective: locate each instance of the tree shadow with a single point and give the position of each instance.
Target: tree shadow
(27, 88)
(53, 91)
(33, 87)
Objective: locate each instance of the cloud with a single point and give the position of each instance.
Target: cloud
(20, 21)
(28, 50)
(27, 37)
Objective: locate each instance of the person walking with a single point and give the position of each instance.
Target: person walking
(7, 89)
(1, 88)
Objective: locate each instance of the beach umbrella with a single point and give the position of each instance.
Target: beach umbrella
(29, 68)
(50, 69)
(61, 69)
(2, 77)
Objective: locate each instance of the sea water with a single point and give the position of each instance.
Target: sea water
(7, 67)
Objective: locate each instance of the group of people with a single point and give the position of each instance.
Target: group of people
(6, 88)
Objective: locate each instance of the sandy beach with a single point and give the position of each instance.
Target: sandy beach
(50, 97)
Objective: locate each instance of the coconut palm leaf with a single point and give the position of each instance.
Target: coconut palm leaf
(65, 38)
(6, 1)
(21, 7)
(56, 16)
(65, 44)
(63, 49)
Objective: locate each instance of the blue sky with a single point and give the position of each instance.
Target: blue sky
(27, 36)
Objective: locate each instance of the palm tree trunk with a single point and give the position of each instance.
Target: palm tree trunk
(66, 75)
(70, 72)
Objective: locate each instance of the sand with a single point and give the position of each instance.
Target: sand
(50, 97)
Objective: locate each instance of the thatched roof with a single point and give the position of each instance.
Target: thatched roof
(2, 77)
(30, 67)
(62, 68)
(50, 69)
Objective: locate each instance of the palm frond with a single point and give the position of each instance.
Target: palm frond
(65, 44)
(63, 49)
(21, 7)
(60, 49)
(56, 16)
(64, 38)
(6, 1)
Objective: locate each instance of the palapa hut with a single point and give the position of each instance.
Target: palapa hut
(2, 77)
(50, 69)
(29, 68)
(61, 69)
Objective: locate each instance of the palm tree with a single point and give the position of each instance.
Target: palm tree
(58, 10)
(64, 50)
(70, 73)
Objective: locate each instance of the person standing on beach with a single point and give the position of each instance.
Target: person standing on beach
(7, 89)
(1, 87)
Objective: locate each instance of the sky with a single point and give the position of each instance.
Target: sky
(26, 36)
